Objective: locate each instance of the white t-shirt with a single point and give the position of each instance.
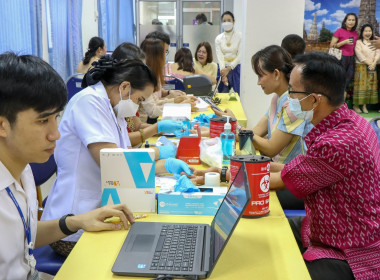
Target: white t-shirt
(13, 242)
(88, 118)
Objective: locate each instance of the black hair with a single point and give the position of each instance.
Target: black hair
(201, 17)
(184, 59)
(271, 58)
(28, 82)
(323, 73)
(113, 72)
(293, 44)
(164, 37)
(345, 19)
(362, 29)
(94, 44)
(128, 50)
(228, 13)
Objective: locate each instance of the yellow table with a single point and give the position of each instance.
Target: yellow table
(261, 248)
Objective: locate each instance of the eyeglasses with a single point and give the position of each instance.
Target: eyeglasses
(202, 52)
(307, 92)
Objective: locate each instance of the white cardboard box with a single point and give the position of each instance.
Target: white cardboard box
(176, 112)
(128, 176)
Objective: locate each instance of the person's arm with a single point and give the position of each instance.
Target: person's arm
(137, 137)
(273, 146)
(333, 42)
(95, 148)
(276, 182)
(219, 53)
(50, 231)
(276, 167)
(261, 129)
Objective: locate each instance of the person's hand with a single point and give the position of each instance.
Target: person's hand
(169, 126)
(226, 112)
(175, 93)
(375, 44)
(198, 177)
(347, 42)
(176, 167)
(224, 72)
(225, 80)
(94, 220)
(167, 151)
(372, 66)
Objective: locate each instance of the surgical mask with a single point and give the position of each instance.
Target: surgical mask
(166, 58)
(126, 108)
(295, 108)
(227, 26)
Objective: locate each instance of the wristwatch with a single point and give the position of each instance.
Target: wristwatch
(223, 174)
(63, 226)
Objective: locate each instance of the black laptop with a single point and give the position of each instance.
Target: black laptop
(179, 249)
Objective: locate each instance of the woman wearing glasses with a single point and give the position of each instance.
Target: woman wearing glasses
(203, 60)
(279, 134)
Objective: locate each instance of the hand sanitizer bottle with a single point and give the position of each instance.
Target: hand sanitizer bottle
(228, 142)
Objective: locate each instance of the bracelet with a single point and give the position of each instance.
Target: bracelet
(223, 174)
(63, 226)
(142, 135)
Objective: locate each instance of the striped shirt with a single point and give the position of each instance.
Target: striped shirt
(339, 180)
(280, 117)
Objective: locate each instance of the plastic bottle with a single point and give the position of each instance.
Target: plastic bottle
(228, 142)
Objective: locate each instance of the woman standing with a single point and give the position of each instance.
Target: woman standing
(365, 86)
(96, 49)
(203, 60)
(345, 39)
(227, 46)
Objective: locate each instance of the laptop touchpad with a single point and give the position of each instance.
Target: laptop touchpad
(143, 243)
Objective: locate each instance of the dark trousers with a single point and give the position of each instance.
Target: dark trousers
(348, 63)
(322, 269)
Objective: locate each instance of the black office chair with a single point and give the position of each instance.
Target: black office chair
(74, 85)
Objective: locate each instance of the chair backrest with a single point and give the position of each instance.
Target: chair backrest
(73, 84)
(43, 171)
(375, 125)
(177, 84)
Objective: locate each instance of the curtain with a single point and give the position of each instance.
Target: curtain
(116, 23)
(21, 27)
(64, 30)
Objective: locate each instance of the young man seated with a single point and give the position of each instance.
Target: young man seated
(32, 95)
(338, 177)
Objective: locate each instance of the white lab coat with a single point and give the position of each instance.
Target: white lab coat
(88, 118)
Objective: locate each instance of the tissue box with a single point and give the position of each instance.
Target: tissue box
(128, 176)
(198, 203)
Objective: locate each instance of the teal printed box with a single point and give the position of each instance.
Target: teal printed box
(128, 176)
(206, 202)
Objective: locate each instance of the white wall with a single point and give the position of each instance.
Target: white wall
(89, 22)
(265, 22)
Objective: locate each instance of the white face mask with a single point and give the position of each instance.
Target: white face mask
(227, 26)
(295, 108)
(126, 108)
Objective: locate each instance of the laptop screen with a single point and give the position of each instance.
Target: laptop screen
(228, 214)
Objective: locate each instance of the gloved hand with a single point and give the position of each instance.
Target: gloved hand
(184, 184)
(167, 151)
(169, 126)
(177, 166)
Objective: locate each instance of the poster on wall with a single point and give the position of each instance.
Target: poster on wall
(324, 17)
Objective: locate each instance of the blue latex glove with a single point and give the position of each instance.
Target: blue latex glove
(177, 166)
(169, 126)
(184, 184)
(167, 151)
(180, 133)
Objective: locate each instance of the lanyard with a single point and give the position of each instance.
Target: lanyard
(31, 260)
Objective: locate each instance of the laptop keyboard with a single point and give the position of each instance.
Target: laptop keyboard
(175, 248)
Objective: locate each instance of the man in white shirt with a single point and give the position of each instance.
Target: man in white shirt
(32, 95)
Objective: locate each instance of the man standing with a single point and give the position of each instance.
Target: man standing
(32, 95)
(338, 178)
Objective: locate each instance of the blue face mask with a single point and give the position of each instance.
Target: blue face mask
(295, 108)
